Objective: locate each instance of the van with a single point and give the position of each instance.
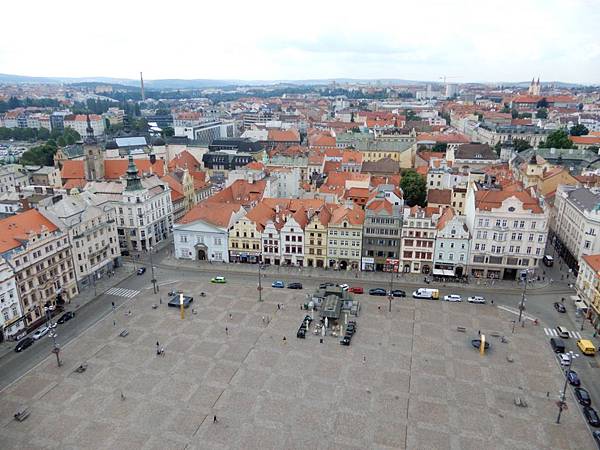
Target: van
(548, 260)
(557, 345)
(430, 294)
(586, 346)
(563, 332)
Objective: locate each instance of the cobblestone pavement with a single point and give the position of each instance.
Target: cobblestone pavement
(409, 380)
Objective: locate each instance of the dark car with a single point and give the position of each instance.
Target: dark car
(573, 378)
(295, 286)
(377, 291)
(23, 344)
(346, 340)
(398, 293)
(557, 345)
(596, 435)
(301, 334)
(350, 329)
(592, 416)
(174, 302)
(308, 319)
(66, 317)
(326, 285)
(583, 397)
(141, 271)
(560, 307)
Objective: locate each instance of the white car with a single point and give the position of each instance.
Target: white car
(476, 299)
(40, 332)
(565, 360)
(344, 287)
(453, 298)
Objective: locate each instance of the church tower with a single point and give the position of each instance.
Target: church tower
(535, 88)
(93, 155)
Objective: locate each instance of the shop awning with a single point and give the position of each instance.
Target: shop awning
(443, 273)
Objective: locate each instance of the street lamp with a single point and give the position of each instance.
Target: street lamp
(390, 296)
(154, 286)
(56, 347)
(259, 288)
(561, 403)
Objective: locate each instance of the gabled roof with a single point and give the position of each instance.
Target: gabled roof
(354, 216)
(72, 169)
(176, 187)
(184, 160)
(290, 135)
(116, 168)
(240, 192)
(15, 229)
(594, 262)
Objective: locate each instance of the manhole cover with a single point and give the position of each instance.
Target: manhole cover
(593, 364)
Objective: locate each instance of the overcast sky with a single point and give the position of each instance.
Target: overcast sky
(493, 40)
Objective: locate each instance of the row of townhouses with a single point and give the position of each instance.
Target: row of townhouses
(502, 233)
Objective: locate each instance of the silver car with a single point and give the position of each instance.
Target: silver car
(40, 332)
(476, 299)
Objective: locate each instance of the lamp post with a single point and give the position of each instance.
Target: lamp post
(56, 347)
(561, 403)
(390, 296)
(154, 286)
(259, 288)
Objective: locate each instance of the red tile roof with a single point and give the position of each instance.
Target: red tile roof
(15, 229)
(184, 160)
(594, 262)
(290, 135)
(116, 168)
(488, 200)
(439, 196)
(208, 213)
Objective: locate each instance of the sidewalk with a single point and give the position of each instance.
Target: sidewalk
(337, 275)
(84, 297)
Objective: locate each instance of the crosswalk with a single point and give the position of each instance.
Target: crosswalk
(553, 332)
(121, 292)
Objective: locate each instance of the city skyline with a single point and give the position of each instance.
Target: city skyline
(557, 41)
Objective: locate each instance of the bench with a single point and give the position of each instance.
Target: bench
(123, 333)
(22, 414)
(461, 329)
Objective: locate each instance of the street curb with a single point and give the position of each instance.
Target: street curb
(337, 275)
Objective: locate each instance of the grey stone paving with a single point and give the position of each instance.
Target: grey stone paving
(422, 386)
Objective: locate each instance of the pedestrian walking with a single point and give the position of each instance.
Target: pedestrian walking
(492, 301)
(379, 307)
(230, 316)
(226, 331)
(278, 306)
(479, 332)
(364, 359)
(215, 419)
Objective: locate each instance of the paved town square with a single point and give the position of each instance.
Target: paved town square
(408, 380)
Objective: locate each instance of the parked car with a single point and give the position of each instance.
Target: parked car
(350, 329)
(573, 378)
(66, 317)
(377, 291)
(24, 343)
(583, 396)
(40, 332)
(476, 299)
(453, 298)
(562, 332)
(596, 436)
(346, 340)
(398, 293)
(308, 319)
(356, 290)
(560, 307)
(278, 284)
(344, 287)
(141, 271)
(557, 345)
(326, 285)
(218, 279)
(301, 334)
(592, 416)
(565, 360)
(295, 286)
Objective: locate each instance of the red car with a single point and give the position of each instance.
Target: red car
(356, 290)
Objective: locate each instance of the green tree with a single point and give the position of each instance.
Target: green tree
(515, 114)
(521, 144)
(557, 139)
(440, 147)
(505, 109)
(541, 113)
(579, 130)
(40, 155)
(543, 103)
(168, 131)
(414, 187)
(525, 115)
(411, 116)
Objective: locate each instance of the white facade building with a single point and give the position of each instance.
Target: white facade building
(79, 123)
(576, 222)
(202, 234)
(10, 307)
(452, 243)
(509, 231)
(292, 239)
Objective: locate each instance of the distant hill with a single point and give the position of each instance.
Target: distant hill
(165, 84)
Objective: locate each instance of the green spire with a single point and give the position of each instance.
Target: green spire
(133, 180)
